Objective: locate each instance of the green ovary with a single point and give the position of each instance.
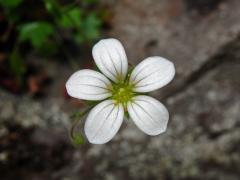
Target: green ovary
(122, 93)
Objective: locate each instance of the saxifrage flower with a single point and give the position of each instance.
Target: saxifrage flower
(121, 91)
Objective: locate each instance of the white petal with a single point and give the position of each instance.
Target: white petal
(88, 85)
(111, 59)
(151, 74)
(103, 122)
(149, 114)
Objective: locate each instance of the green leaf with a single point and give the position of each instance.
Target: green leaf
(91, 27)
(10, 3)
(36, 32)
(52, 7)
(17, 65)
(71, 18)
(77, 139)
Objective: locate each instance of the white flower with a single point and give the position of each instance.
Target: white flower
(121, 91)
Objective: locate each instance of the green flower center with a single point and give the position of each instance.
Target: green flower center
(122, 93)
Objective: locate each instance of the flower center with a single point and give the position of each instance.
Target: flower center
(122, 93)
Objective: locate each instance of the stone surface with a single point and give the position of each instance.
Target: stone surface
(203, 136)
(176, 30)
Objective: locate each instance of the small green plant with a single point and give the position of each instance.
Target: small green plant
(45, 24)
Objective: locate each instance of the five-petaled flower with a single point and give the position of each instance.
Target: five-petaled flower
(121, 91)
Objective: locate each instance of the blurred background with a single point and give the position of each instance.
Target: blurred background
(42, 42)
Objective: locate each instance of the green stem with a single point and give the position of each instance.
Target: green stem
(77, 119)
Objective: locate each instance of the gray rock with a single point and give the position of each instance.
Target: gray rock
(175, 30)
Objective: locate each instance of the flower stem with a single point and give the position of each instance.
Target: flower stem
(77, 116)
